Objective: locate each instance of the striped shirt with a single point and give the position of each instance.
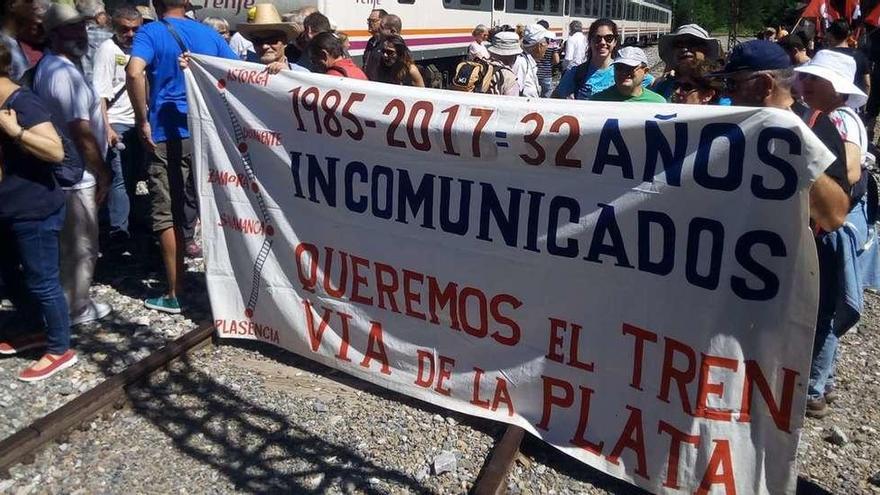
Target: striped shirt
(545, 65)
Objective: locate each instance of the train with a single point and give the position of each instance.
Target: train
(437, 30)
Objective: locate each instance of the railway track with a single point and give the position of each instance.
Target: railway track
(23, 446)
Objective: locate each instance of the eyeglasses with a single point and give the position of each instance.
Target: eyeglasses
(685, 87)
(731, 84)
(390, 53)
(268, 40)
(371, 20)
(607, 38)
(627, 69)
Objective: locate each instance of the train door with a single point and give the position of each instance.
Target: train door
(497, 11)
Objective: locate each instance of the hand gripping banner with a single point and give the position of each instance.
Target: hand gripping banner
(636, 284)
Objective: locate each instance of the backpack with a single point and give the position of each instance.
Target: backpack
(475, 76)
(70, 170)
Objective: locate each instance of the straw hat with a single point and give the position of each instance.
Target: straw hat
(840, 70)
(266, 18)
(666, 46)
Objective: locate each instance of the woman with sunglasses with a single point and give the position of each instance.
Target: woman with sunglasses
(694, 88)
(595, 74)
(397, 65)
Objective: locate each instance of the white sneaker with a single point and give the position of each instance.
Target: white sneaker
(94, 311)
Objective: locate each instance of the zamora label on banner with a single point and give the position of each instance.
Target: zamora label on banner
(634, 283)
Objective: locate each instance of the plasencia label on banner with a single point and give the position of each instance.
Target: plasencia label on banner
(633, 283)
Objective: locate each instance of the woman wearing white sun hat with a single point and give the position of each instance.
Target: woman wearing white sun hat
(826, 85)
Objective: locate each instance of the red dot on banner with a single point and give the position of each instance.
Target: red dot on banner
(270, 230)
(255, 187)
(242, 147)
(221, 83)
(249, 313)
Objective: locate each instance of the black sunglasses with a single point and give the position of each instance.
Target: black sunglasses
(608, 38)
(271, 40)
(685, 87)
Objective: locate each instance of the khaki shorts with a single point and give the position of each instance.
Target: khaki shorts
(168, 172)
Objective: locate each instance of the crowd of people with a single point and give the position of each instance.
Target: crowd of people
(91, 105)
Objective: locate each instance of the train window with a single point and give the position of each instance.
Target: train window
(471, 3)
(578, 7)
(499, 4)
(554, 7)
(607, 9)
(520, 4)
(595, 8)
(410, 1)
(538, 5)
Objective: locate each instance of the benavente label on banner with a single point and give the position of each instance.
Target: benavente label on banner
(635, 284)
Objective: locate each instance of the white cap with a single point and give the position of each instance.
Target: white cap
(534, 34)
(840, 70)
(631, 56)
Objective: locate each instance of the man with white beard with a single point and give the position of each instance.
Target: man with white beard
(77, 114)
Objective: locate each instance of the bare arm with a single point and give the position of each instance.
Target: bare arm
(112, 137)
(853, 162)
(867, 82)
(136, 85)
(40, 140)
(829, 203)
(87, 145)
(416, 76)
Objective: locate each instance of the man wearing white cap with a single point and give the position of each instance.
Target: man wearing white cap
(504, 50)
(630, 68)
(534, 42)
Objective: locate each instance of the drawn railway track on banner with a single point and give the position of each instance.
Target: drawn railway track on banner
(21, 447)
(266, 247)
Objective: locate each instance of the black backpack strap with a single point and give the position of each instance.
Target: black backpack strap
(180, 43)
(580, 76)
(116, 97)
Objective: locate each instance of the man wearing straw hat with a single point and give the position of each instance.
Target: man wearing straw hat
(682, 49)
(269, 35)
(504, 49)
(164, 130)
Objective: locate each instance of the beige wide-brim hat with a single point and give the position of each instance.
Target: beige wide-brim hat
(840, 70)
(60, 14)
(267, 19)
(666, 45)
(505, 44)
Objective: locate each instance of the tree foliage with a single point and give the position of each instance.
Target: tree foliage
(716, 15)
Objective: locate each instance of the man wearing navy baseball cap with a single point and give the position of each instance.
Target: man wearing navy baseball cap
(758, 74)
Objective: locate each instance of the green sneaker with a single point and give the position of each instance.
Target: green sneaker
(164, 304)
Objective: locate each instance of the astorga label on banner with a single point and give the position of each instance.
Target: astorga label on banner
(635, 284)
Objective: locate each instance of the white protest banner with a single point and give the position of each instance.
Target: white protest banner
(633, 283)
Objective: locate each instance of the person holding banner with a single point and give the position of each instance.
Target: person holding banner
(269, 35)
(630, 69)
(164, 129)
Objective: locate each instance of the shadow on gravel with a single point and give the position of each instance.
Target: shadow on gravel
(257, 449)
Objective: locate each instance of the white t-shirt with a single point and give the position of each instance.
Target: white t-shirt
(850, 127)
(108, 78)
(69, 97)
(240, 45)
(477, 50)
(526, 70)
(575, 50)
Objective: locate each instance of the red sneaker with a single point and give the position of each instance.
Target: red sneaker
(23, 343)
(58, 363)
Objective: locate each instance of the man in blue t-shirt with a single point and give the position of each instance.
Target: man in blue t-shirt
(164, 131)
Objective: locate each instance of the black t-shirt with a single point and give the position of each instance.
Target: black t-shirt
(824, 129)
(863, 65)
(28, 190)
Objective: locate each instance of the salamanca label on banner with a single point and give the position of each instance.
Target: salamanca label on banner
(634, 284)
